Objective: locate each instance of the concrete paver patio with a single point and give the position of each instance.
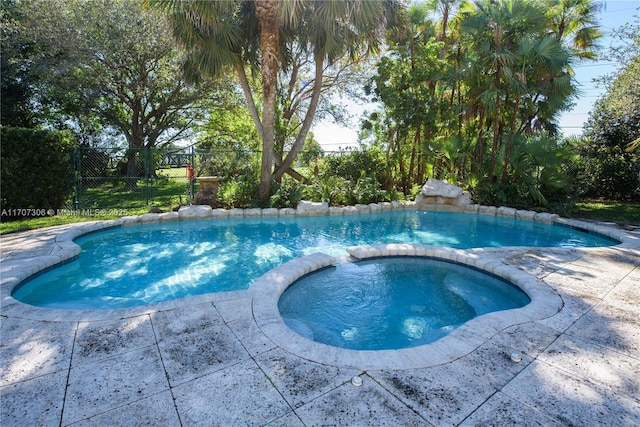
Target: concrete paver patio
(207, 361)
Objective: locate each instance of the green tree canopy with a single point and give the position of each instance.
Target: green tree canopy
(612, 133)
(110, 65)
(15, 78)
(260, 36)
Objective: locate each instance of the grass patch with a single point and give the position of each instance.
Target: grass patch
(627, 213)
(172, 173)
(113, 200)
(163, 192)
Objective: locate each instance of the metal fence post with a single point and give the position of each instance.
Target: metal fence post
(77, 176)
(192, 183)
(147, 172)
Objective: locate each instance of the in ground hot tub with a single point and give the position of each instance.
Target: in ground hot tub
(392, 302)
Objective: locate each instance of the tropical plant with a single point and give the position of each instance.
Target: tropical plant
(333, 189)
(574, 23)
(287, 194)
(467, 85)
(239, 193)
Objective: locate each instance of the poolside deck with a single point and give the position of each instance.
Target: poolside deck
(206, 361)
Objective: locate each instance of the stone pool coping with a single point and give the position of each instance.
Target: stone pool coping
(211, 363)
(14, 269)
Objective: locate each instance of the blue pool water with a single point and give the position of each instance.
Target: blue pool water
(131, 266)
(392, 303)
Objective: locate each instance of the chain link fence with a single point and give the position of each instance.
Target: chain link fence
(136, 178)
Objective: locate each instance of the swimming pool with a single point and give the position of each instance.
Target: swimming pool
(392, 302)
(150, 263)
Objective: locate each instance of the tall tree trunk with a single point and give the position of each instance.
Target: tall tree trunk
(414, 150)
(480, 144)
(389, 171)
(496, 136)
(266, 11)
(308, 119)
(442, 37)
(400, 156)
(246, 89)
(136, 142)
(507, 158)
(427, 140)
(132, 169)
(421, 168)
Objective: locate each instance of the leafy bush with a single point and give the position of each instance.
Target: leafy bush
(539, 175)
(36, 169)
(339, 191)
(239, 193)
(227, 164)
(329, 188)
(367, 190)
(608, 172)
(349, 178)
(287, 194)
(357, 164)
(490, 194)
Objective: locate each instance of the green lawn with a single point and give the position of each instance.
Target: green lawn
(163, 192)
(113, 200)
(172, 173)
(68, 217)
(627, 213)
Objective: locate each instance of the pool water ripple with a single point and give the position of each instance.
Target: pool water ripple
(151, 263)
(392, 302)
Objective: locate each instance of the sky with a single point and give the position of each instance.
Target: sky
(332, 137)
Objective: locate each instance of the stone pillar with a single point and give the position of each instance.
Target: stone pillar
(208, 187)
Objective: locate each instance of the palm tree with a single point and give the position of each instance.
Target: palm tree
(575, 24)
(219, 35)
(268, 15)
(522, 72)
(259, 33)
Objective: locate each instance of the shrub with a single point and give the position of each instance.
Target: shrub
(334, 190)
(36, 170)
(608, 172)
(368, 190)
(352, 177)
(228, 164)
(356, 164)
(287, 194)
(239, 193)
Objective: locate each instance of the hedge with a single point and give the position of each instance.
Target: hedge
(36, 171)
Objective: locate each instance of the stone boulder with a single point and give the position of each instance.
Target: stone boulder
(437, 193)
(195, 211)
(312, 208)
(436, 187)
